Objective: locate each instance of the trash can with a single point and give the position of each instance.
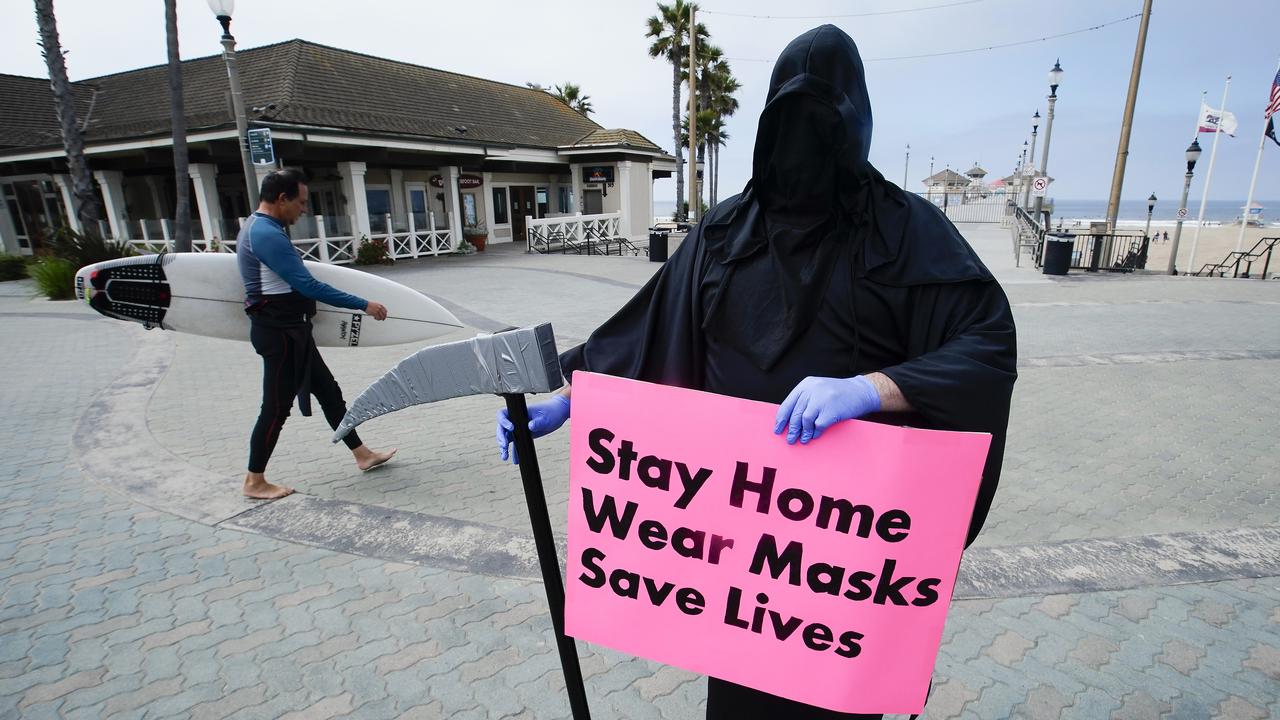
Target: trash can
(1057, 252)
(658, 245)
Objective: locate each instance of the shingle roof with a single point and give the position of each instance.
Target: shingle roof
(310, 84)
(946, 177)
(27, 115)
(614, 138)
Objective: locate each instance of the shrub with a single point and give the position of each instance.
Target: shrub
(374, 252)
(12, 267)
(55, 277)
(85, 249)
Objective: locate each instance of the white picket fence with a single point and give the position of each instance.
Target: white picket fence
(414, 243)
(336, 249)
(574, 229)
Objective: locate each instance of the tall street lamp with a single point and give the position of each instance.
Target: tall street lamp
(928, 184)
(1193, 154)
(906, 166)
(1035, 125)
(1055, 79)
(222, 9)
(1151, 208)
(1022, 170)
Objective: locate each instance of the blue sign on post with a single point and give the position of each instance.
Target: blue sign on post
(261, 151)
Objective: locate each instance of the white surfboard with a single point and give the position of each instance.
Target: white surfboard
(203, 294)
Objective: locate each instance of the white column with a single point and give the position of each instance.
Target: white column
(357, 202)
(157, 199)
(397, 196)
(486, 181)
(624, 187)
(259, 172)
(450, 174)
(205, 180)
(8, 230)
(69, 200)
(648, 197)
(575, 176)
(112, 184)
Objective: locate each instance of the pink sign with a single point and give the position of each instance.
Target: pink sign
(820, 573)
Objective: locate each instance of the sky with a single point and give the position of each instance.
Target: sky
(958, 108)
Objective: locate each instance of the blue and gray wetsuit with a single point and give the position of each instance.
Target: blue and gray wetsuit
(280, 298)
(270, 265)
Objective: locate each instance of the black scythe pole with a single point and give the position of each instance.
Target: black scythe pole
(547, 554)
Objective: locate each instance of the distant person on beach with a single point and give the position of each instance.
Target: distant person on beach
(280, 299)
(823, 287)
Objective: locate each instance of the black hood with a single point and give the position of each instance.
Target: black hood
(812, 197)
(817, 114)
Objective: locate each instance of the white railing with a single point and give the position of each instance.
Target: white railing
(414, 243)
(317, 242)
(574, 228)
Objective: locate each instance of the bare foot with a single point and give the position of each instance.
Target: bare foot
(257, 487)
(367, 459)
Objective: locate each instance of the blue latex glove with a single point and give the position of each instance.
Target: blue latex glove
(817, 403)
(544, 417)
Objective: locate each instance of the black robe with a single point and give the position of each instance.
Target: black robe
(822, 267)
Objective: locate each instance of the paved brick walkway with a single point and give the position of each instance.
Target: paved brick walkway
(1143, 407)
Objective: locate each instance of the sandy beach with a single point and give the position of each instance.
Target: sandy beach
(1214, 244)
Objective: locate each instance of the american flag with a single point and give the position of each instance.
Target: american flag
(1274, 105)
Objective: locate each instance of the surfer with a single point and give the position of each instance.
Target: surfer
(280, 299)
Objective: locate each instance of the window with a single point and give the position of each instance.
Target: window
(542, 202)
(500, 206)
(566, 199)
(469, 215)
(379, 200)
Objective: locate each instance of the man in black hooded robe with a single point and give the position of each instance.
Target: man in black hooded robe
(824, 287)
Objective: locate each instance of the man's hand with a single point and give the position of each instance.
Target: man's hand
(544, 418)
(377, 310)
(817, 403)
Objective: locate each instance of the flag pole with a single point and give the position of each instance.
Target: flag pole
(1203, 94)
(1253, 184)
(1204, 198)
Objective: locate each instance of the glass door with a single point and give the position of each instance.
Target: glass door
(416, 197)
(379, 199)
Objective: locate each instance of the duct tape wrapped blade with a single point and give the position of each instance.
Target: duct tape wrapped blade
(518, 361)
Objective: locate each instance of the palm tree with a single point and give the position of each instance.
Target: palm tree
(706, 120)
(87, 208)
(571, 95)
(178, 120)
(716, 136)
(669, 31)
(720, 98)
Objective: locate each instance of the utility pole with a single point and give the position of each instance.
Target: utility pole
(693, 114)
(1126, 126)
(906, 166)
(1055, 80)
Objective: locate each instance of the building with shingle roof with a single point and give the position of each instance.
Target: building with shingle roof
(387, 144)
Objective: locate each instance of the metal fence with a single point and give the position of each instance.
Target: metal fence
(1112, 252)
(969, 206)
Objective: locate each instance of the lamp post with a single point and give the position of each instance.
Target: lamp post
(1151, 208)
(928, 184)
(222, 9)
(1193, 154)
(1022, 175)
(906, 165)
(1035, 125)
(1055, 79)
